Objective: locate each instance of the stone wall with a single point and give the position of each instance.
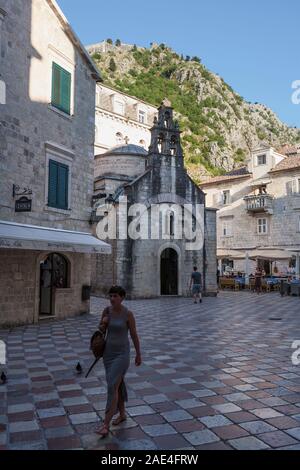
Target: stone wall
(20, 285)
(104, 271)
(32, 38)
(31, 132)
(129, 165)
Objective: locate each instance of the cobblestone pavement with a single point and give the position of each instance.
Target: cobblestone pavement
(216, 375)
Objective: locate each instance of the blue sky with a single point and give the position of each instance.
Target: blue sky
(254, 45)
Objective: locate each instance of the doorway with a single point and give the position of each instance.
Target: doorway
(266, 266)
(53, 275)
(169, 272)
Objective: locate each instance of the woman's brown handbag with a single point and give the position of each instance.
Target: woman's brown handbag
(97, 345)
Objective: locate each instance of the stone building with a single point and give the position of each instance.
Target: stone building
(46, 164)
(121, 119)
(147, 265)
(258, 218)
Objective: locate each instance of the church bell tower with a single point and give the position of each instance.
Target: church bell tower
(165, 136)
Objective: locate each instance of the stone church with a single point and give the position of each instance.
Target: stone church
(160, 265)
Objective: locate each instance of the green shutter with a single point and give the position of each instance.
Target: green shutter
(62, 192)
(52, 184)
(55, 97)
(61, 88)
(65, 90)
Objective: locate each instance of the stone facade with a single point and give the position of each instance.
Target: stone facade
(121, 119)
(20, 287)
(34, 35)
(272, 192)
(139, 264)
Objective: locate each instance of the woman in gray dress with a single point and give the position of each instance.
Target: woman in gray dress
(118, 320)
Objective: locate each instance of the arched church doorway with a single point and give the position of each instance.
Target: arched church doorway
(53, 275)
(169, 272)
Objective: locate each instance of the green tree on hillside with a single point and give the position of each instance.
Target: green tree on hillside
(112, 65)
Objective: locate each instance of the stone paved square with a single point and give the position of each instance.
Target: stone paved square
(230, 384)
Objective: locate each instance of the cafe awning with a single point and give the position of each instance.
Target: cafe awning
(272, 255)
(229, 254)
(33, 237)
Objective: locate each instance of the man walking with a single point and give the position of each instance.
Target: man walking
(196, 282)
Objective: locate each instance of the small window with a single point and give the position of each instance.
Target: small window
(227, 229)
(226, 197)
(261, 159)
(142, 117)
(262, 226)
(61, 88)
(58, 185)
(142, 143)
(119, 107)
(292, 187)
(119, 138)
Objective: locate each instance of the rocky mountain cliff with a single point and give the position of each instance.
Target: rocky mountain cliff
(219, 128)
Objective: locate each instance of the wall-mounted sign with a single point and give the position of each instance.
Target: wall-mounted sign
(23, 204)
(18, 192)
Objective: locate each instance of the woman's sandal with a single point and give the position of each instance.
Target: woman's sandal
(103, 431)
(118, 420)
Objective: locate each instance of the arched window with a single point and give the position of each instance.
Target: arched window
(167, 119)
(159, 143)
(142, 143)
(172, 224)
(173, 145)
(170, 221)
(54, 271)
(119, 138)
(60, 271)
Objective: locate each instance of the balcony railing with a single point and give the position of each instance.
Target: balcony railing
(259, 203)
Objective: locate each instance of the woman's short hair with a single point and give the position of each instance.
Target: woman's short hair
(117, 290)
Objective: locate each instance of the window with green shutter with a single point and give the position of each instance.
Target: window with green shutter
(61, 88)
(58, 185)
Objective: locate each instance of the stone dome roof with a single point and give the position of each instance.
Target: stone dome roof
(128, 149)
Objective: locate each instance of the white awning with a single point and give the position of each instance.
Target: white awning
(229, 254)
(270, 254)
(32, 237)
